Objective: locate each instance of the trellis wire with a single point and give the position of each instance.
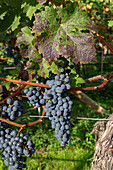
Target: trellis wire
(84, 118)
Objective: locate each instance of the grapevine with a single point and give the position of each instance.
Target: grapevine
(56, 107)
(45, 50)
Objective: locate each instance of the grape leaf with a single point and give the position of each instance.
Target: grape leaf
(28, 50)
(110, 23)
(8, 19)
(79, 80)
(66, 39)
(55, 69)
(29, 9)
(32, 68)
(15, 23)
(3, 15)
(44, 66)
(24, 40)
(3, 11)
(27, 35)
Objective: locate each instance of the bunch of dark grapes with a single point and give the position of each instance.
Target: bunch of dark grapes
(11, 53)
(9, 50)
(58, 108)
(15, 148)
(59, 112)
(11, 110)
(35, 94)
(17, 58)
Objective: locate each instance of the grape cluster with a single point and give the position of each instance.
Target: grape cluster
(17, 58)
(15, 148)
(58, 108)
(11, 110)
(59, 112)
(11, 53)
(35, 94)
(9, 50)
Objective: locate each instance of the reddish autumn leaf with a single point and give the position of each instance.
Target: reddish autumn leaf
(68, 38)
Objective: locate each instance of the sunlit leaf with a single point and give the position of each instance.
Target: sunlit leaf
(15, 23)
(66, 39)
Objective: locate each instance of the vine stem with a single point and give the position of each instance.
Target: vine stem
(20, 130)
(54, 2)
(103, 40)
(39, 120)
(24, 82)
(17, 92)
(10, 122)
(46, 86)
(5, 58)
(88, 88)
(30, 109)
(12, 95)
(63, 3)
(3, 83)
(25, 125)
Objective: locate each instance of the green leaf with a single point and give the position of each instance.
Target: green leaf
(25, 37)
(44, 66)
(25, 41)
(80, 80)
(3, 15)
(72, 80)
(26, 31)
(73, 71)
(110, 23)
(35, 63)
(7, 20)
(25, 7)
(15, 23)
(31, 10)
(55, 69)
(33, 3)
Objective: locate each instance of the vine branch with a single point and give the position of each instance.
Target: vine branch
(54, 2)
(5, 58)
(63, 3)
(25, 125)
(106, 78)
(103, 40)
(17, 92)
(89, 88)
(12, 95)
(24, 82)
